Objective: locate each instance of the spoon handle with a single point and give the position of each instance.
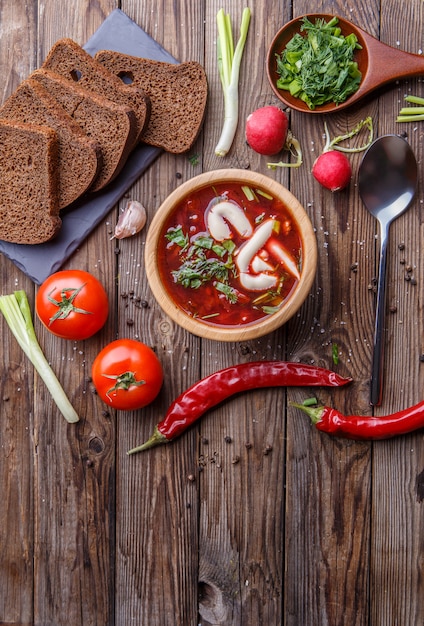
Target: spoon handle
(378, 354)
(387, 63)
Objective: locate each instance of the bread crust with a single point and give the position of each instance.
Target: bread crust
(111, 124)
(29, 199)
(178, 95)
(79, 155)
(70, 60)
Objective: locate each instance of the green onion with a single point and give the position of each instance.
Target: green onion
(412, 114)
(248, 192)
(16, 310)
(410, 118)
(229, 61)
(414, 99)
(264, 194)
(270, 310)
(411, 111)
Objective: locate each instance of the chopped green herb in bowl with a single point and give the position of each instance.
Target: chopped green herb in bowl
(319, 67)
(318, 63)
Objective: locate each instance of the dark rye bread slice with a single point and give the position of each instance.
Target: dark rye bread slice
(79, 155)
(70, 60)
(29, 200)
(112, 125)
(178, 94)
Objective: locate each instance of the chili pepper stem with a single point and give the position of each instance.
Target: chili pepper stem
(155, 439)
(314, 413)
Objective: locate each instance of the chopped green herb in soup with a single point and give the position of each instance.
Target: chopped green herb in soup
(230, 254)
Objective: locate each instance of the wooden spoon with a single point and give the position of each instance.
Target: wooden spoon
(379, 63)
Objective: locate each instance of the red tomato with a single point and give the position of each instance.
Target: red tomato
(72, 304)
(127, 374)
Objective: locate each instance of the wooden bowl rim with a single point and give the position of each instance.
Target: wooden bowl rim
(265, 325)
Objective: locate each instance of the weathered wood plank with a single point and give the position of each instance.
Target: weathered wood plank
(241, 580)
(216, 528)
(157, 503)
(17, 59)
(75, 464)
(328, 481)
(397, 511)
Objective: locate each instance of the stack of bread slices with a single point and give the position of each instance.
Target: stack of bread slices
(68, 129)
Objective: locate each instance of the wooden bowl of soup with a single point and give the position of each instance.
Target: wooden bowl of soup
(231, 255)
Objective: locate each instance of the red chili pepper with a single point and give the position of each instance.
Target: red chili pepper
(360, 427)
(214, 389)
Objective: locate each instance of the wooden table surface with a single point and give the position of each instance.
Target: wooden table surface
(317, 532)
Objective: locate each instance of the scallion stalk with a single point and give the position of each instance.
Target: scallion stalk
(412, 111)
(410, 118)
(414, 99)
(412, 114)
(229, 61)
(16, 310)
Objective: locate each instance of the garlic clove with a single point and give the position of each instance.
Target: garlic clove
(131, 220)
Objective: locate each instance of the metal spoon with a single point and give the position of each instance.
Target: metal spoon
(387, 184)
(379, 63)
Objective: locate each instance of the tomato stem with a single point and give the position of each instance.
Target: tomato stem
(124, 381)
(66, 304)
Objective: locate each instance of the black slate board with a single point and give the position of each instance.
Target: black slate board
(118, 32)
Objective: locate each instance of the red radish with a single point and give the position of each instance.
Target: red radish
(266, 130)
(332, 170)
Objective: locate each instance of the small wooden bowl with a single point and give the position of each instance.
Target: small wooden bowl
(266, 324)
(280, 41)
